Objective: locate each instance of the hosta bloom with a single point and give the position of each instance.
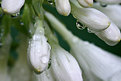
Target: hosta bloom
(12, 6)
(97, 64)
(39, 49)
(112, 11)
(64, 66)
(86, 3)
(111, 35)
(90, 17)
(63, 7)
(109, 1)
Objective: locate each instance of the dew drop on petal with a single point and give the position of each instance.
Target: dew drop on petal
(79, 25)
(90, 30)
(44, 59)
(15, 15)
(50, 2)
(103, 5)
(22, 24)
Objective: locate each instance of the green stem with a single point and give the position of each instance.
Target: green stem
(4, 53)
(51, 38)
(59, 27)
(37, 6)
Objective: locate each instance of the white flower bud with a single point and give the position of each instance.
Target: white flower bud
(63, 7)
(97, 64)
(111, 35)
(86, 3)
(92, 18)
(12, 6)
(39, 51)
(109, 1)
(112, 11)
(64, 66)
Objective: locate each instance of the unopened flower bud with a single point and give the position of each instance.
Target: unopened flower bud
(64, 66)
(39, 50)
(12, 6)
(86, 3)
(111, 35)
(63, 7)
(92, 18)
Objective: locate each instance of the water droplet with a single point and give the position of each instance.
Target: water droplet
(22, 23)
(50, 2)
(89, 30)
(44, 59)
(103, 5)
(80, 26)
(15, 15)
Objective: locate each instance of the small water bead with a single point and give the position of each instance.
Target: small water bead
(103, 5)
(15, 15)
(50, 2)
(44, 59)
(80, 26)
(22, 24)
(90, 31)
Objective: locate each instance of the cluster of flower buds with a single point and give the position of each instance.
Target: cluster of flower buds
(96, 63)
(86, 62)
(96, 21)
